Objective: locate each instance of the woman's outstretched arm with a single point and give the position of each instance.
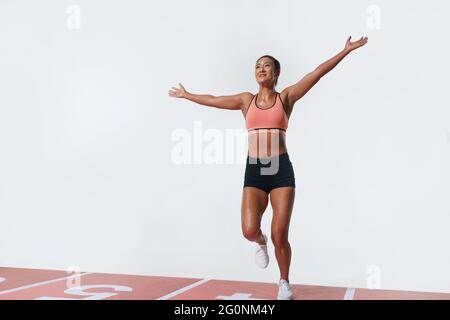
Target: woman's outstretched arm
(234, 102)
(298, 90)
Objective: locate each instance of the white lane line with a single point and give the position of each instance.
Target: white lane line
(37, 284)
(195, 284)
(349, 294)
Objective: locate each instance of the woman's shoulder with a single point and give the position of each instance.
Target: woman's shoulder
(247, 97)
(247, 94)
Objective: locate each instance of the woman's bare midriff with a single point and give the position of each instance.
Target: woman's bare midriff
(265, 143)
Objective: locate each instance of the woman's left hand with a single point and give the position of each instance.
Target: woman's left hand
(350, 46)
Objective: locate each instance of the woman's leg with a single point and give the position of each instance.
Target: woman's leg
(254, 203)
(282, 202)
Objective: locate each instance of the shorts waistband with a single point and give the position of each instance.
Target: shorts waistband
(266, 160)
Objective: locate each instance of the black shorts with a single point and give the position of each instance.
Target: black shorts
(269, 173)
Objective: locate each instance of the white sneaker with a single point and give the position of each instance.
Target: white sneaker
(261, 255)
(284, 290)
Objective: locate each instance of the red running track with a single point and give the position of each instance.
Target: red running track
(32, 284)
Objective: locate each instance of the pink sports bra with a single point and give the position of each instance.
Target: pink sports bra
(273, 117)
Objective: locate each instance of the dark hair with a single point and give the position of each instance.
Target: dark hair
(275, 62)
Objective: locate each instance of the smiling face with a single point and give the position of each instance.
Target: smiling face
(265, 71)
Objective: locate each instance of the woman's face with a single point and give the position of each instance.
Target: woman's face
(264, 70)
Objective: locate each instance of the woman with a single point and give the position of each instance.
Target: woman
(269, 169)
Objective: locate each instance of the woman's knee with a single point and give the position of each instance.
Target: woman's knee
(250, 233)
(279, 238)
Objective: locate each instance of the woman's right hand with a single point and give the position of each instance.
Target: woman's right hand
(178, 93)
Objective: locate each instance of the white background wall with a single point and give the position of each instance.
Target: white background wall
(86, 170)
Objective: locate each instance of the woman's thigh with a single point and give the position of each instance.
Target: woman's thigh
(254, 203)
(282, 202)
